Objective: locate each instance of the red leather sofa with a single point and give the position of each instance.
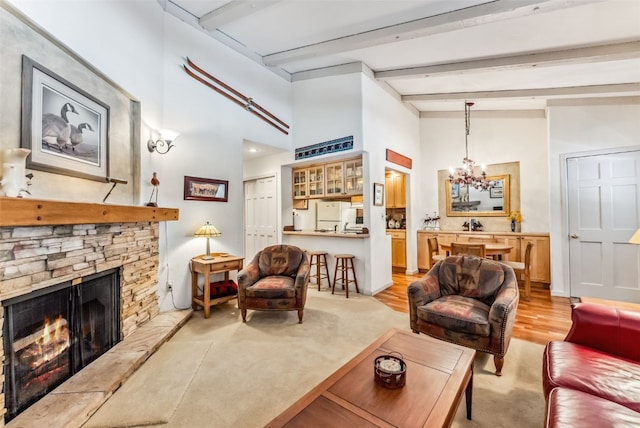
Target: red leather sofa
(592, 378)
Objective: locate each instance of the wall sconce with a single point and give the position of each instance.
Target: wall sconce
(163, 144)
(635, 239)
(207, 231)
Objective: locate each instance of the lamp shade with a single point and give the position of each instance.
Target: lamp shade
(168, 134)
(207, 231)
(635, 239)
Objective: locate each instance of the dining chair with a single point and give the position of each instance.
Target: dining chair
(468, 249)
(524, 268)
(434, 250)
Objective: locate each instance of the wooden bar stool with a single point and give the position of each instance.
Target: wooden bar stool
(344, 264)
(319, 260)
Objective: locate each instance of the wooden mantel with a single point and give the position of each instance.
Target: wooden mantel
(42, 212)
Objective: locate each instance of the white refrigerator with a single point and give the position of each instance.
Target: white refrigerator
(328, 216)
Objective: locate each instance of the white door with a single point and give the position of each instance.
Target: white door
(603, 194)
(261, 215)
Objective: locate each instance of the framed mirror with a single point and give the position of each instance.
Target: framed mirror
(465, 201)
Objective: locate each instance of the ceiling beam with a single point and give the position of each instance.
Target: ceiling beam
(233, 11)
(485, 13)
(613, 52)
(631, 88)
(173, 9)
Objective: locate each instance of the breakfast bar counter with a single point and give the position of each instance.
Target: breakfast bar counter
(327, 234)
(335, 243)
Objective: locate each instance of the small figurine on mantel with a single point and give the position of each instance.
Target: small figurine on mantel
(155, 183)
(15, 180)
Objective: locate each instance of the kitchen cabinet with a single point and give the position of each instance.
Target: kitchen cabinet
(300, 183)
(423, 251)
(308, 182)
(330, 180)
(353, 178)
(335, 178)
(398, 248)
(344, 178)
(301, 204)
(316, 181)
(540, 255)
(395, 191)
(540, 260)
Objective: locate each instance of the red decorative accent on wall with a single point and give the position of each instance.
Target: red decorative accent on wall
(399, 159)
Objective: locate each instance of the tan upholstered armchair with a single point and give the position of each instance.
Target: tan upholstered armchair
(275, 280)
(467, 300)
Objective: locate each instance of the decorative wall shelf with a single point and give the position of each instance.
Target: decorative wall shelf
(42, 212)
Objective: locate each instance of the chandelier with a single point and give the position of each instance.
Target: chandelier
(464, 175)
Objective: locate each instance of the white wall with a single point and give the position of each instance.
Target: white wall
(538, 143)
(389, 124)
(113, 54)
(495, 137)
(141, 48)
(574, 127)
(327, 108)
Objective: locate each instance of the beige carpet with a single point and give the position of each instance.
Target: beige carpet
(220, 372)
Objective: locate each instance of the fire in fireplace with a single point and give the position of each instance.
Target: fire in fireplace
(51, 334)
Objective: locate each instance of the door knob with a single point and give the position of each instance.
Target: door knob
(574, 236)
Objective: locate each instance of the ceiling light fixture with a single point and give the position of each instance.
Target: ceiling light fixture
(164, 142)
(464, 175)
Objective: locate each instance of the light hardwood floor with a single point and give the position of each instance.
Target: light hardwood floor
(540, 320)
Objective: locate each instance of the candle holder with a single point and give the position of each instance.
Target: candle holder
(390, 371)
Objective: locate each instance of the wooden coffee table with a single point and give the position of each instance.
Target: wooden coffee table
(438, 373)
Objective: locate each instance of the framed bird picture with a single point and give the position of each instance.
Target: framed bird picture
(64, 126)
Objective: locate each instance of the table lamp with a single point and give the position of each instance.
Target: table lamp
(207, 231)
(635, 239)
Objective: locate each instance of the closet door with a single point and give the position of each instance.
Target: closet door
(261, 215)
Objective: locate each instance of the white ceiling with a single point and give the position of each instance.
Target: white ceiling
(503, 55)
(506, 54)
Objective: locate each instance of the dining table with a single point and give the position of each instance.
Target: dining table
(495, 250)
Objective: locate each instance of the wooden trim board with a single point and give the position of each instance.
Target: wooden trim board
(41, 212)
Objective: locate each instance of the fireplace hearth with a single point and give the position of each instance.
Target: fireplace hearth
(44, 243)
(51, 334)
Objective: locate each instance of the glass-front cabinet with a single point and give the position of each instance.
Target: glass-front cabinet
(353, 181)
(335, 182)
(316, 181)
(329, 180)
(300, 184)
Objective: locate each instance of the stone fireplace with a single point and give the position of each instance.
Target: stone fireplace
(51, 334)
(36, 256)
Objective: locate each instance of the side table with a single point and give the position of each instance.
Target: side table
(218, 264)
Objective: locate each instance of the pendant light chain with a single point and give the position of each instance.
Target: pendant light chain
(467, 122)
(465, 174)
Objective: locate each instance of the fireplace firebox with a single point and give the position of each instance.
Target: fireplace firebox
(51, 334)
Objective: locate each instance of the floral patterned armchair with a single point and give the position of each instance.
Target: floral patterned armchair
(275, 280)
(467, 300)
